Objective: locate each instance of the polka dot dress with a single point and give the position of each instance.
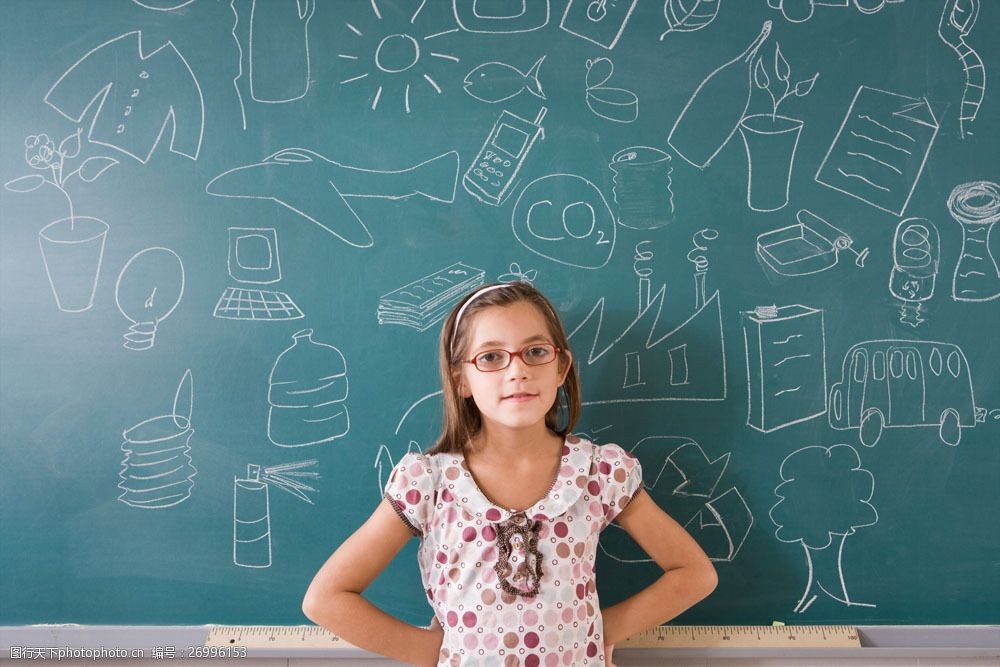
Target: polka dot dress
(515, 588)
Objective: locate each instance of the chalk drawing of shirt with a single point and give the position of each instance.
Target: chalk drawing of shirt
(137, 94)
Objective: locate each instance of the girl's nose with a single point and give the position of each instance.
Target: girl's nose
(517, 368)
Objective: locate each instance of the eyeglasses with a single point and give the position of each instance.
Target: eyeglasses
(536, 354)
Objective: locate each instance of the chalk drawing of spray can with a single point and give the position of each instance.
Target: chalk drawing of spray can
(251, 520)
(252, 507)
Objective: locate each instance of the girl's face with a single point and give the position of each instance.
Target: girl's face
(519, 396)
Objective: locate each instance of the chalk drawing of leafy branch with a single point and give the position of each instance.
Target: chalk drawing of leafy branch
(41, 153)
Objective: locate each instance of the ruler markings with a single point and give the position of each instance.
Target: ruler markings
(668, 636)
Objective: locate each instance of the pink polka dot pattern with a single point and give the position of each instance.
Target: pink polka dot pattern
(437, 498)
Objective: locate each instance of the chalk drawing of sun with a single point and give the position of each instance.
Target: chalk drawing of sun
(397, 58)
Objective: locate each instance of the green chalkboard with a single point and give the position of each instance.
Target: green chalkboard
(230, 231)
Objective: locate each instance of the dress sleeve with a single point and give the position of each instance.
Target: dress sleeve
(410, 491)
(620, 477)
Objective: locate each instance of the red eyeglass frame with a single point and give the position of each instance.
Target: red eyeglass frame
(512, 354)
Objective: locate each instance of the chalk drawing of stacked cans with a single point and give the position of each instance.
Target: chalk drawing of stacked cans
(157, 470)
(306, 393)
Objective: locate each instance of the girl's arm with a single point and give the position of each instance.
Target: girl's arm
(689, 575)
(334, 599)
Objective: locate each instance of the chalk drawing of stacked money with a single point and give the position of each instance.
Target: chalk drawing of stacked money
(427, 300)
(252, 507)
(157, 470)
(307, 390)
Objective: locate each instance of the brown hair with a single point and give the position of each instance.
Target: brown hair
(462, 420)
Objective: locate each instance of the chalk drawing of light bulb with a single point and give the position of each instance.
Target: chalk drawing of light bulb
(148, 289)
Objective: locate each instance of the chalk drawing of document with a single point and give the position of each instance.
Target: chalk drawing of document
(880, 149)
(137, 93)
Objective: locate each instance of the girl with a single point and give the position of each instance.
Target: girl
(508, 507)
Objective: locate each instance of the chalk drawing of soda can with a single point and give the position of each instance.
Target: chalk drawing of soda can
(642, 187)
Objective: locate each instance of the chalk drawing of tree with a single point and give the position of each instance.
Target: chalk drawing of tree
(824, 497)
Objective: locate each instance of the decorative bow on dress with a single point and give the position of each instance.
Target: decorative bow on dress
(519, 566)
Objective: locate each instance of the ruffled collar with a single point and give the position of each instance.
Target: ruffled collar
(577, 457)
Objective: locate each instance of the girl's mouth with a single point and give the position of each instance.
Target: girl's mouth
(519, 397)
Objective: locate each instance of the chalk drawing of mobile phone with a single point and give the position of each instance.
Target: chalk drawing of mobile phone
(601, 22)
(490, 177)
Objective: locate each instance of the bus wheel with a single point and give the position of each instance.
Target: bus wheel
(950, 431)
(872, 423)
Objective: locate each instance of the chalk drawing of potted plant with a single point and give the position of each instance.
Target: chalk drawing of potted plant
(72, 247)
(771, 139)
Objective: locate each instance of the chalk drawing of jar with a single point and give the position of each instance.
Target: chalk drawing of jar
(307, 390)
(157, 470)
(642, 187)
(72, 250)
(976, 207)
(770, 142)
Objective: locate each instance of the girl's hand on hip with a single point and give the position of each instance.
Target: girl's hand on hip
(436, 638)
(608, 650)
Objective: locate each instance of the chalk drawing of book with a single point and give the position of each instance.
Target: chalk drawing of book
(880, 149)
(809, 247)
(427, 300)
(157, 471)
(786, 365)
(252, 507)
(253, 259)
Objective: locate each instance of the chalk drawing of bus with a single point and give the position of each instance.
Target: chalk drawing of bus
(902, 384)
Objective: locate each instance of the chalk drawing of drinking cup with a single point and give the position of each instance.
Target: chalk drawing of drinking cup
(770, 144)
(72, 250)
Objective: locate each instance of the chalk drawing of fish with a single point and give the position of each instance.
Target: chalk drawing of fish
(495, 82)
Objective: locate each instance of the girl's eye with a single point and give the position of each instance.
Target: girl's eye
(539, 351)
(489, 357)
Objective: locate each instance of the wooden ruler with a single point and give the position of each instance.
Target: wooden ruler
(745, 636)
(664, 636)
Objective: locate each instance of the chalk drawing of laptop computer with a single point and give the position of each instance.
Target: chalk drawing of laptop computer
(253, 260)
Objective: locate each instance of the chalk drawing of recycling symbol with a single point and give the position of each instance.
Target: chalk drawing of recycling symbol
(685, 483)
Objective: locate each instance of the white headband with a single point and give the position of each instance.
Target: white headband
(465, 305)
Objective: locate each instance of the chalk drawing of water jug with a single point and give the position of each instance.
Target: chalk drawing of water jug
(307, 390)
(157, 470)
